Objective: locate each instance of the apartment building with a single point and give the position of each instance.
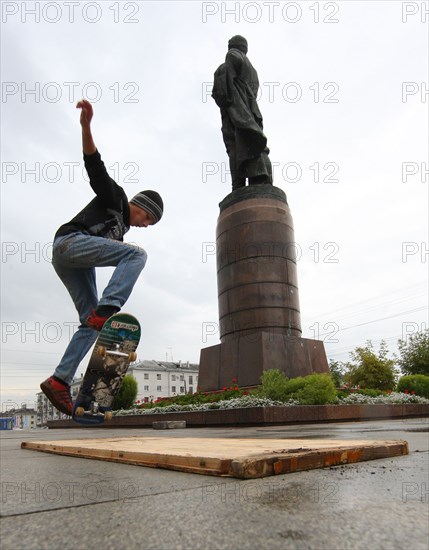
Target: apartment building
(164, 378)
(23, 418)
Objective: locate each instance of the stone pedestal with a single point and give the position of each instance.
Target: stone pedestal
(259, 316)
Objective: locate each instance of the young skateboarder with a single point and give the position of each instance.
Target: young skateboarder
(94, 238)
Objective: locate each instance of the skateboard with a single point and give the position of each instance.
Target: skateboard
(113, 352)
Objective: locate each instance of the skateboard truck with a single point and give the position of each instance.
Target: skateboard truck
(101, 350)
(94, 410)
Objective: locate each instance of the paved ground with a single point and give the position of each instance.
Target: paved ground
(51, 502)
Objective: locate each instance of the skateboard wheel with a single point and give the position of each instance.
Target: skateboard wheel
(108, 415)
(101, 350)
(80, 411)
(132, 356)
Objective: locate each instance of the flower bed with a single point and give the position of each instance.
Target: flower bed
(247, 401)
(392, 398)
(234, 403)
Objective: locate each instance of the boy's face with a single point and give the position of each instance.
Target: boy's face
(139, 217)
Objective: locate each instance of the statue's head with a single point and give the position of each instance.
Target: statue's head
(238, 42)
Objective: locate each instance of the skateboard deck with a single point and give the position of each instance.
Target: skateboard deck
(113, 352)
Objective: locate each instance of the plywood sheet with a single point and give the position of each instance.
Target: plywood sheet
(238, 457)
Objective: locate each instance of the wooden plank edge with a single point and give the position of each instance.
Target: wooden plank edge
(277, 464)
(196, 465)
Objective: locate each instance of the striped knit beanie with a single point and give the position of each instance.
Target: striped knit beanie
(151, 202)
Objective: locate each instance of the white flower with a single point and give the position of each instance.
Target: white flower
(390, 399)
(235, 403)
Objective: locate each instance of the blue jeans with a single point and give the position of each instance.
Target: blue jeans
(75, 258)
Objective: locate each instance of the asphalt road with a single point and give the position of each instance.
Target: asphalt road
(58, 502)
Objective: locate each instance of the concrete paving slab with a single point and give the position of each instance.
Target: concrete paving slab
(50, 502)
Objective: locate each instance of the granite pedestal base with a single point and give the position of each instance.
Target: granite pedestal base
(244, 359)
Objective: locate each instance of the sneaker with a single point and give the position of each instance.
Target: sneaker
(99, 316)
(58, 393)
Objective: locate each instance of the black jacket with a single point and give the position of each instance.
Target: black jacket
(108, 214)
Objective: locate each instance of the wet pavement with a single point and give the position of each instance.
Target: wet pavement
(50, 501)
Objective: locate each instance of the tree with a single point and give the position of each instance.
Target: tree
(369, 370)
(414, 354)
(337, 372)
(126, 395)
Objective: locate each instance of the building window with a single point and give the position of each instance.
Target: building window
(182, 377)
(182, 389)
(158, 377)
(146, 388)
(173, 377)
(191, 381)
(159, 388)
(146, 376)
(173, 389)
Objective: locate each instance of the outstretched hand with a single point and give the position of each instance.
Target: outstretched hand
(87, 112)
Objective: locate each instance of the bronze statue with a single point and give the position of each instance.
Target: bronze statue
(235, 88)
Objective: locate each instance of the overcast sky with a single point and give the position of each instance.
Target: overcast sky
(344, 102)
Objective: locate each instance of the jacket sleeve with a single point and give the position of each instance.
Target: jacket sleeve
(102, 184)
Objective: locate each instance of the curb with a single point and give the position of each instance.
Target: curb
(260, 416)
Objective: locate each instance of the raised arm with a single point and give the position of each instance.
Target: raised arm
(102, 184)
(86, 114)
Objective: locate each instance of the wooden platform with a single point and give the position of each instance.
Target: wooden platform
(240, 458)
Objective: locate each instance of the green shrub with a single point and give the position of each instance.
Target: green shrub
(274, 384)
(417, 383)
(126, 395)
(317, 389)
(314, 389)
(372, 393)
